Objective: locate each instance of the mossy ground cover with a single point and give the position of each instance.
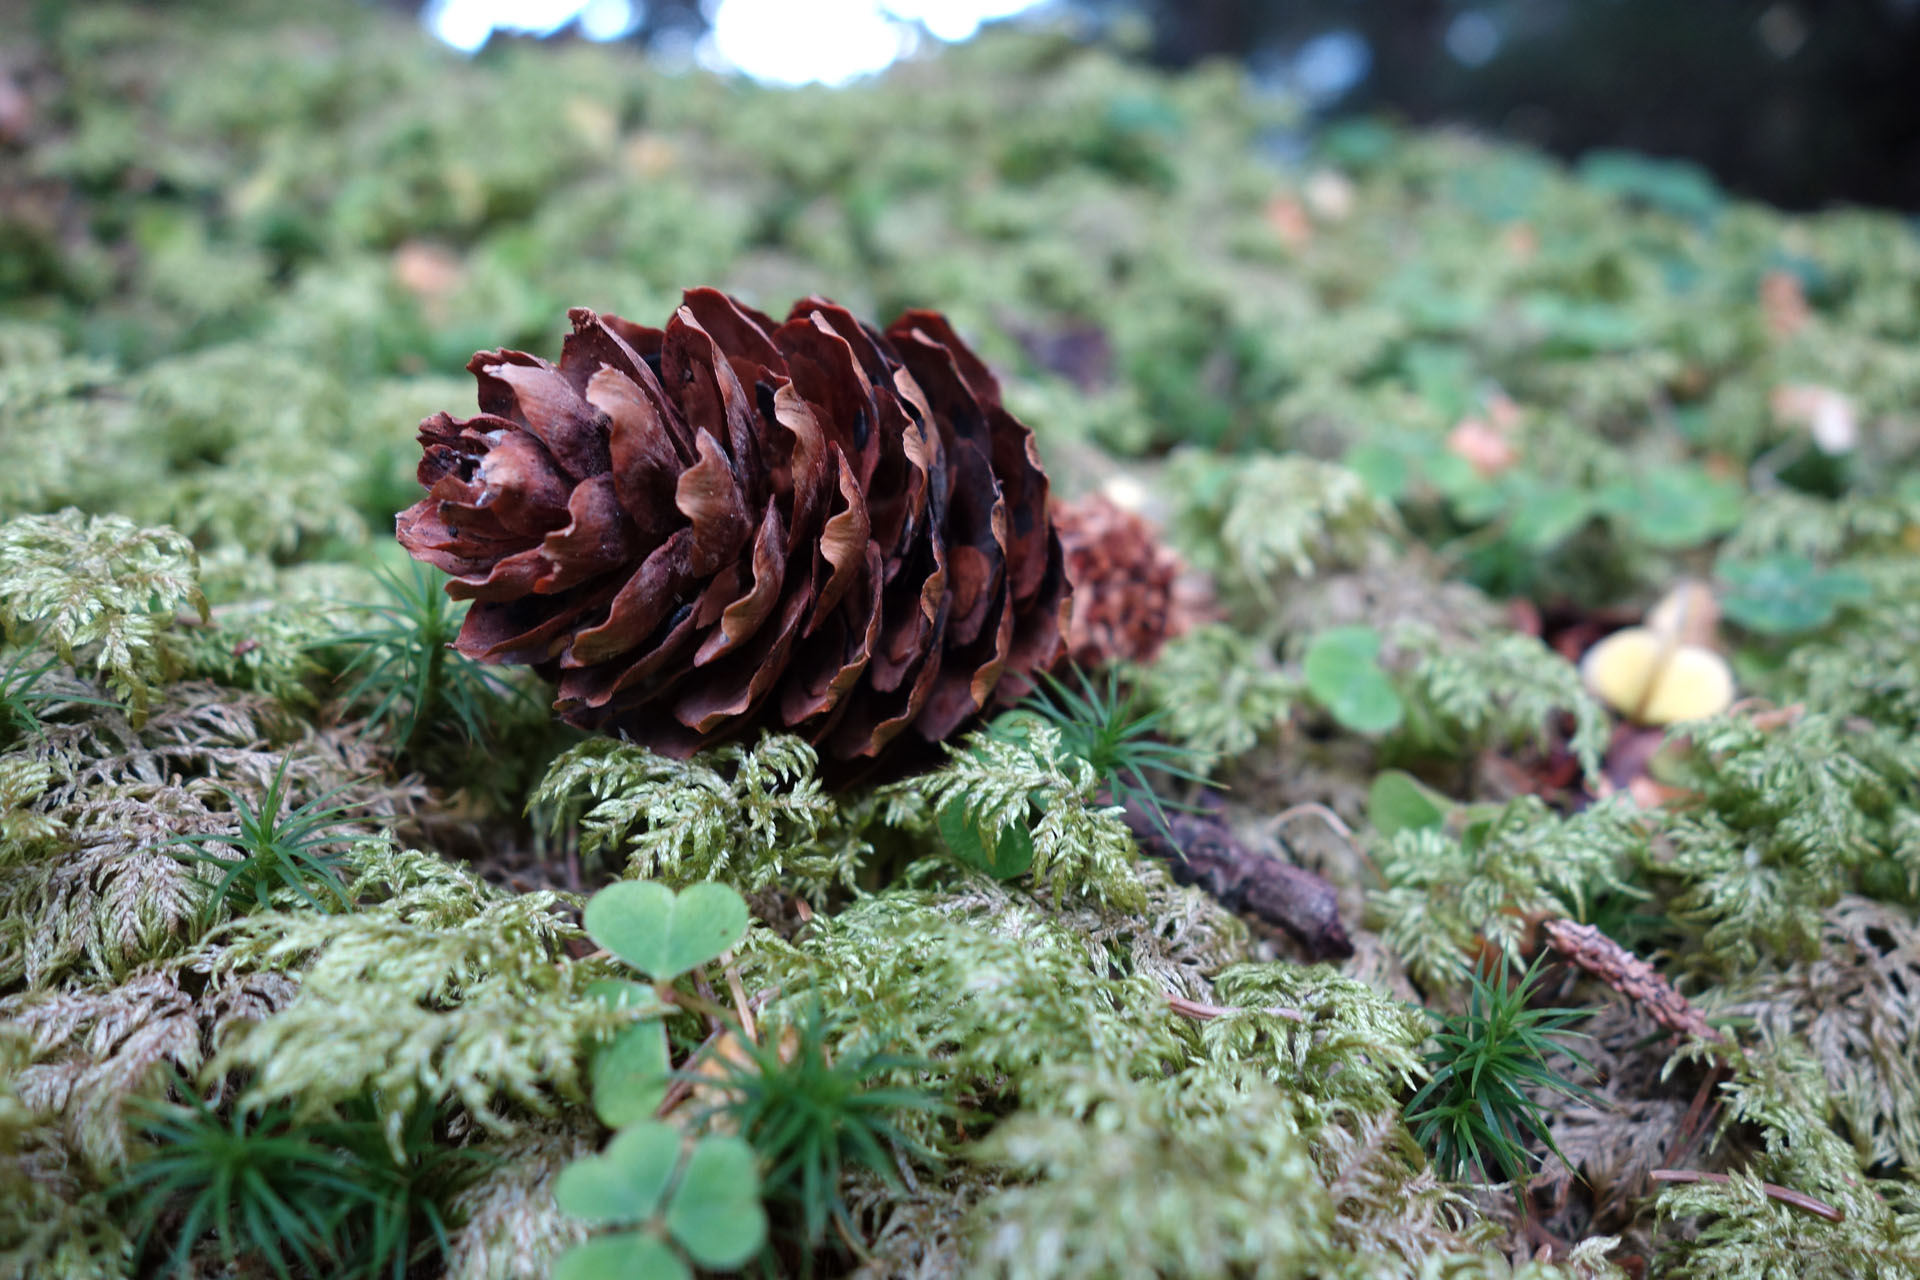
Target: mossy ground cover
(1431, 415)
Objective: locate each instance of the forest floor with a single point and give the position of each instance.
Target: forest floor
(1505, 864)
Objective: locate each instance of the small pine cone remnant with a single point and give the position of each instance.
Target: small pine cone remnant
(739, 523)
(1125, 598)
(1628, 974)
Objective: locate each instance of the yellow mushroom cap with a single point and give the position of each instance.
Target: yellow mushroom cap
(1655, 679)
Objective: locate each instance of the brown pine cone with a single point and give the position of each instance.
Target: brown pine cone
(1126, 597)
(736, 523)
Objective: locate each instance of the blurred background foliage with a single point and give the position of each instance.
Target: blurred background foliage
(1800, 104)
(243, 249)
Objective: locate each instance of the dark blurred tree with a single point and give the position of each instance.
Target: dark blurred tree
(1799, 103)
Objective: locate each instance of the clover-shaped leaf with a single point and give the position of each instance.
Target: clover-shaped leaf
(1342, 669)
(716, 1213)
(664, 934)
(1548, 514)
(618, 993)
(1004, 854)
(1398, 802)
(630, 1074)
(1783, 594)
(1386, 471)
(710, 1207)
(626, 1256)
(1674, 507)
(625, 1182)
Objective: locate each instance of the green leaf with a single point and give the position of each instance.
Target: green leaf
(1548, 515)
(1442, 374)
(1397, 802)
(618, 993)
(627, 1256)
(1342, 670)
(1012, 851)
(1387, 472)
(664, 934)
(1784, 594)
(1674, 506)
(1473, 496)
(716, 1213)
(1672, 186)
(630, 1075)
(626, 1181)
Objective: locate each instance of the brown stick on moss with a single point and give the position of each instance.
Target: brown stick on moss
(1628, 974)
(1201, 849)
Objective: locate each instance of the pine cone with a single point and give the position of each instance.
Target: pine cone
(1126, 597)
(736, 523)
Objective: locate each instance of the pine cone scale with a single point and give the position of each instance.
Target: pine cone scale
(596, 539)
(523, 631)
(500, 491)
(709, 496)
(824, 371)
(843, 546)
(710, 393)
(646, 467)
(535, 397)
(638, 607)
(734, 522)
(740, 619)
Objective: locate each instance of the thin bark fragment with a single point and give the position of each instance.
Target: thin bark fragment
(1204, 851)
(1626, 973)
(1201, 1011)
(1785, 1195)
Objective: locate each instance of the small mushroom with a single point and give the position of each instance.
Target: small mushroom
(1689, 613)
(1664, 671)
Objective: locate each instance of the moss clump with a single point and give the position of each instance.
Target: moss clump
(1442, 392)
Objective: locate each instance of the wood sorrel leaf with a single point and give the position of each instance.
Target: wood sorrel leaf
(664, 934)
(1342, 670)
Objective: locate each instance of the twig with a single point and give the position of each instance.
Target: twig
(1763, 714)
(740, 1005)
(1200, 1011)
(1693, 1125)
(1335, 823)
(1201, 849)
(1628, 974)
(714, 1010)
(1312, 809)
(682, 1086)
(1785, 1195)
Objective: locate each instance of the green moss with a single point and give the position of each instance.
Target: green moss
(257, 246)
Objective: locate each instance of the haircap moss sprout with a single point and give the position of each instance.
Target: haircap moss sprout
(277, 848)
(297, 1195)
(1478, 1112)
(408, 680)
(814, 1114)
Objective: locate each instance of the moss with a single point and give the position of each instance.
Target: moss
(258, 245)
